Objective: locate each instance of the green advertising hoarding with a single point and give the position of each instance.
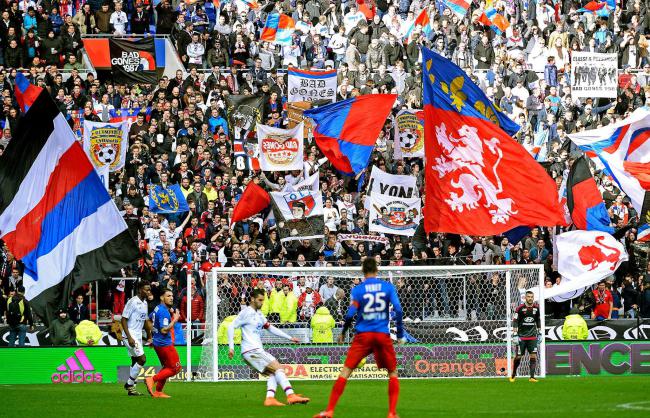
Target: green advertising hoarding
(77, 364)
(109, 364)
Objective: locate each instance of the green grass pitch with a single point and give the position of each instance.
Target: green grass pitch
(552, 397)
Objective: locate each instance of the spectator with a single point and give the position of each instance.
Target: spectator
(337, 305)
(322, 324)
(19, 316)
(198, 308)
(328, 290)
(85, 20)
(604, 303)
(62, 330)
(118, 20)
(79, 310)
(289, 305)
(308, 302)
(575, 327)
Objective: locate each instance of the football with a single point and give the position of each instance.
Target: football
(106, 154)
(408, 139)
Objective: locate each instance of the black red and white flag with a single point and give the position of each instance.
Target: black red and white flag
(56, 216)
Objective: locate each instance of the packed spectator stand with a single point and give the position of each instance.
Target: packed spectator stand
(375, 48)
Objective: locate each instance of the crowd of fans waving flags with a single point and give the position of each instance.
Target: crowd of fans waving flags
(478, 179)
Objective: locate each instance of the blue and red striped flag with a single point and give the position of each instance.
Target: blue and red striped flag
(56, 216)
(278, 29)
(346, 131)
(423, 21)
(495, 20)
(458, 7)
(26, 93)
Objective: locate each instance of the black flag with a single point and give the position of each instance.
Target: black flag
(133, 61)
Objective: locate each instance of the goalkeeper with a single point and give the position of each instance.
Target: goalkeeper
(526, 324)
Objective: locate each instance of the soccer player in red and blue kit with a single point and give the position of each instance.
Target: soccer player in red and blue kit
(370, 303)
(163, 330)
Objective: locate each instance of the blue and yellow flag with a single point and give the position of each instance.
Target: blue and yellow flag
(167, 200)
(458, 93)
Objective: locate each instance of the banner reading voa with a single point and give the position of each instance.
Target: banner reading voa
(133, 61)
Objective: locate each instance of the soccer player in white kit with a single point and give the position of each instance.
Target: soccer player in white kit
(134, 318)
(252, 321)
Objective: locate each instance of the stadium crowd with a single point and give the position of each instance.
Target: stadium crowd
(184, 138)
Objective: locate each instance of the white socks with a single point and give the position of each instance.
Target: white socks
(284, 382)
(271, 385)
(133, 375)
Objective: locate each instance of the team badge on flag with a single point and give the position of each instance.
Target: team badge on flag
(167, 199)
(391, 215)
(106, 143)
(280, 149)
(409, 134)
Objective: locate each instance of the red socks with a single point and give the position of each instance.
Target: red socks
(337, 391)
(393, 394)
(162, 376)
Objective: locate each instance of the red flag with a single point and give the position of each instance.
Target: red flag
(479, 181)
(252, 201)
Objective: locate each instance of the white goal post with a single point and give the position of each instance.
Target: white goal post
(458, 320)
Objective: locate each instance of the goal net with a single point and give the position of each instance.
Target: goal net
(457, 320)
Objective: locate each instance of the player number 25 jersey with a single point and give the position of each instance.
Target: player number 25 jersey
(372, 300)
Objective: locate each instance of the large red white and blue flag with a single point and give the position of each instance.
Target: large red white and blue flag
(624, 149)
(479, 181)
(55, 213)
(346, 131)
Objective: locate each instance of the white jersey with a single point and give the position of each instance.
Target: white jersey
(135, 312)
(251, 323)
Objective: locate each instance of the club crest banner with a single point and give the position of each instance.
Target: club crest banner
(167, 199)
(280, 149)
(409, 134)
(106, 143)
(299, 214)
(394, 215)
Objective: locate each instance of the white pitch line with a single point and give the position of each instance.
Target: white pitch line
(635, 406)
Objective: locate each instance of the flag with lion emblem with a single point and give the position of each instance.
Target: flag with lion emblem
(479, 181)
(106, 143)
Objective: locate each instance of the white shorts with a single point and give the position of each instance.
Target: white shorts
(136, 351)
(258, 359)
